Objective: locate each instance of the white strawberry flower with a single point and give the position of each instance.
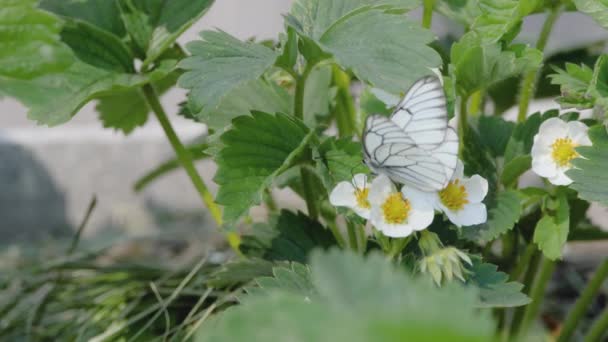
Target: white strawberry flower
(353, 195)
(396, 214)
(461, 200)
(554, 148)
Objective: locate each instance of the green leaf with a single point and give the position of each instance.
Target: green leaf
(523, 135)
(357, 300)
(503, 213)
(219, 64)
(500, 17)
(494, 133)
(515, 168)
(155, 25)
(239, 272)
(258, 95)
(589, 172)
(494, 286)
(257, 149)
(477, 65)
(551, 232)
(101, 13)
(54, 94)
(344, 29)
(574, 82)
(127, 110)
(596, 9)
(289, 46)
(339, 160)
(287, 236)
(463, 12)
(293, 278)
(477, 158)
(30, 44)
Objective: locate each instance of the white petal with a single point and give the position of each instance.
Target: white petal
(360, 181)
(420, 199)
(381, 187)
(394, 230)
(578, 132)
(560, 178)
(541, 146)
(552, 129)
(420, 219)
(343, 195)
(363, 212)
(544, 165)
(476, 187)
(471, 214)
(459, 171)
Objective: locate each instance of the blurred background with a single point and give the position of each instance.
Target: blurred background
(48, 176)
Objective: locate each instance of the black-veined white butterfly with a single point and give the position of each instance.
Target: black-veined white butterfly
(415, 146)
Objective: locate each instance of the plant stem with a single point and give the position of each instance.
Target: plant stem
(531, 268)
(582, 304)
(476, 102)
(529, 82)
(599, 328)
(523, 262)
(427, 14)
(345, 105)
(336, 233)
(183, 155)
(537, 293)
(462, 120)
(300, 87)
(309, 195)
(352, 236)
(398, 245)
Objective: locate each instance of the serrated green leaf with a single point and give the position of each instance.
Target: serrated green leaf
(463, 12)
(294, 278)
(97, 47)
(494, 133)
(317, 96)
(589, 172)
(156, 25)
(219, 64)
(30, 44)
(358, 300)
(596, 9)
(257, 148)
(551, 232)
(515, 168)
(523, 135)
(345, 28)
(503, 213)
(574, 82)
(257, 95)
(495, 289)
(477, 65)
(499, 17)
(101, 13)
(338, 160)
(287, 236)
(477, 158)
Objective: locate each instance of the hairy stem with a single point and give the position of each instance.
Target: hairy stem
(598, 328)
(346, 114)
(462, 121)
(476, 102)
(352, 236)
(300, 87)
(528, 85)
(583, 302)
(183, 155)
(427, 14)
(531, 267)
(537, 293)
(335, 231)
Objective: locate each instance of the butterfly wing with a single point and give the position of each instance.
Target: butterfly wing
(390, 151)
(422, 114)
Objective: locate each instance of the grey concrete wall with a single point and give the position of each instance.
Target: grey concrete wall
(48, 175)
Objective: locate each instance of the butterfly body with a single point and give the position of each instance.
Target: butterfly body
(415, 146)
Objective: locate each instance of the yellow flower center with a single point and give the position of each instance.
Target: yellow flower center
(454, 196)
(396, 209)
(361, 196)
(563, 151)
